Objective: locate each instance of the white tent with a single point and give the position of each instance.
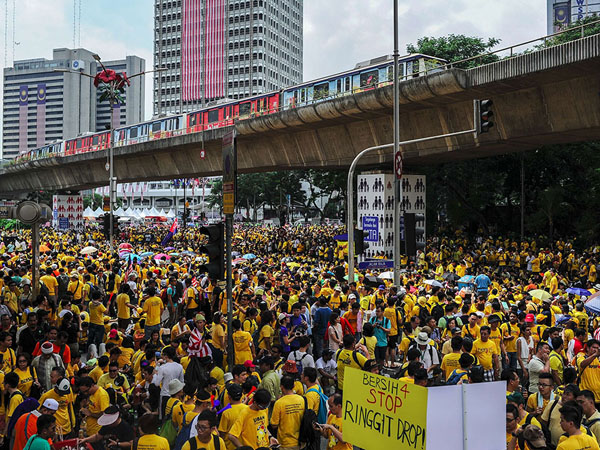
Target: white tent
(88, 213)
(141, 213)
(129, 212)
(152, 213)
(98, 212)
(162, 213)
(119, 212)
(170, 214)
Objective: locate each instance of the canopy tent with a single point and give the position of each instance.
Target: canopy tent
(170, 214)
(152, 212)
(88, 213)
(119, 212)
(98, 212)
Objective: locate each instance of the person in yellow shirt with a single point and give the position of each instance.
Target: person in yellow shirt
(13, 395)
(242, 343)
(65, 415)
(510, 334)
(207, 437)
(230, 415)
(219, 337)
(471, 329)
(153, 307)
(97, 402)
(487, 354)
(571, 418)
(450, 361)
(149, 439)
(348, 357)
(287, 414)
(75, 287)
(589, 368)
(332, 430)
(51, 283)
(124, 307)
(96, 326)
(251, 426)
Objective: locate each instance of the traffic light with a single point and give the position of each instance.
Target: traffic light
(106, 226)
(483, 114)
(359, 241)
(414, 233)
(215, 250)
(115, 225)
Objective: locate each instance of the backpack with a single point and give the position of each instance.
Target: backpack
(184, 434)
(27, 405)
(423, 313)
(169, 429)
(455, 377)
(298, 361)
(437, 312)
(309, 438)
(322, 414)
(216, 443)
(63, 284)
(354, 357)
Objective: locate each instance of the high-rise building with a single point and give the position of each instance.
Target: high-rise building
(562, 13)
(42, 105)
(215, 49)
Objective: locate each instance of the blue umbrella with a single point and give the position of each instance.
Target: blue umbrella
(132, 256)
(146, 254)
(187, 252)
(249, 256)
(578, 291)
(592, 304)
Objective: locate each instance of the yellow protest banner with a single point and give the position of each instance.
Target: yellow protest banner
(380, 412)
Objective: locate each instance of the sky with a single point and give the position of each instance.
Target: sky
(337, 33)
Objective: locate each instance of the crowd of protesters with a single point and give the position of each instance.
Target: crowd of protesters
(129, 349)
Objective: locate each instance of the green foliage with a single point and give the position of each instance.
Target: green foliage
(574, 32)
(93, 201)
(456, 47)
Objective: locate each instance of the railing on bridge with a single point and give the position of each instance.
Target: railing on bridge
(509, 51)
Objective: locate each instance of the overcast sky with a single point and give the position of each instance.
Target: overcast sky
(337, 33)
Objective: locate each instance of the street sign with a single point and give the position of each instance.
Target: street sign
(370, 226)
(398, 165)
(63, 223)
(376, 264)
(5, 212)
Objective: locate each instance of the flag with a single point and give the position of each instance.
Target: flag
(170, 234)
(194, 282)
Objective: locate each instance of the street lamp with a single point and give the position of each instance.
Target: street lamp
(111, 85)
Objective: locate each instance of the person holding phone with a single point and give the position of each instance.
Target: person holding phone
(332, 430)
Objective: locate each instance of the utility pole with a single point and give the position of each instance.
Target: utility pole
(397, 155)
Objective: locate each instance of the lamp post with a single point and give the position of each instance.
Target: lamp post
(112, 87)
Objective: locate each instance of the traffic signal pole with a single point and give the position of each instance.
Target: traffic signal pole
(350, 186)
(229, 287)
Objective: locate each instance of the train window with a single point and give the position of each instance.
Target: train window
(133, 132)
(95, 140)
(79, 143)
(156, 127)
(369, 78)
(213, 116)
(321, 91)
(339, 86)
(347, 83)
(302, 95)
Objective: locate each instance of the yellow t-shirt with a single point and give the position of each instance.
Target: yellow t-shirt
(578, 442)
(50, 283)
(97, 313)
(179, 412)
(449, 363)
(153, 308)
(287, 415)
(333, 443)
(508, 330)
(76, 288)
(9, 360)
(97, 403)
(201, 445)
(190, 295)
(346, 358)
(123, 311)
(590, 377)
(228, 418)
(251, 428)
(266, 335)
(241, 344)
(152, 442)
(484, 352)
(556, 363)
(16, 398)
(25, 380)
(218, 333)
(65, 416)
(370, 343)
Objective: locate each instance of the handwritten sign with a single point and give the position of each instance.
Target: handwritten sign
(380, 412)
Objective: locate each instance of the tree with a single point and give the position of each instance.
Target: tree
(573, 32)
(456, 47)
(93, 201)
(326, 190)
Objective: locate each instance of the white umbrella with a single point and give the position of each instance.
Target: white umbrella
(435, 283)
(387, 275)
(88, 250)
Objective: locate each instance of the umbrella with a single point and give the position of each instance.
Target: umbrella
(356, 277)
(162, 255)
(449, 276)
(540, 293)
(88, 250)
(373, 281)
(435, 283)
(44, 248)
(146, 254)
(234, 254)
(187, 252)
(169, 249)
(578, 291)
(249, 256)
(131, 256)
(387, 275)
(125, 245)
(238, 260)
(592, 304)
(173, 254)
